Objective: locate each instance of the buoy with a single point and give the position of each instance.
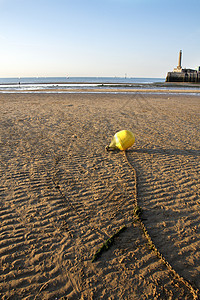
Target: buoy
(122, 140)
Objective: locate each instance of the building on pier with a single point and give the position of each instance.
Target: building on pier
(183, 75)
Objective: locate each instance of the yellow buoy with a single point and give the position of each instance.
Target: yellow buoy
(122, 140)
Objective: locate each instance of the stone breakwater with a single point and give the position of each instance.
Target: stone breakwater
(186, 75)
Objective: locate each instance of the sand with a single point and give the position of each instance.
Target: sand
(63, 196)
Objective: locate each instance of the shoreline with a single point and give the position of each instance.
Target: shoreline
(105, 91)
(110, 83)
(102, 87)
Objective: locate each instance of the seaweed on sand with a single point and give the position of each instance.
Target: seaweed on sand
(108, 244)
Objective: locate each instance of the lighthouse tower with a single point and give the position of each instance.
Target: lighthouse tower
(179, 68)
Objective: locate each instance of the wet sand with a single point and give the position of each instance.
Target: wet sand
(63, 196)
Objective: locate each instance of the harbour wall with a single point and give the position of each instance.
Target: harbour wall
(186, 75)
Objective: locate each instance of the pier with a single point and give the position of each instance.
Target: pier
(183, 75)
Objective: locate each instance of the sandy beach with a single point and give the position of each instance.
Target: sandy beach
(63, 196)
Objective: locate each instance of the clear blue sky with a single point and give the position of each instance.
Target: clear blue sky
(140, 38)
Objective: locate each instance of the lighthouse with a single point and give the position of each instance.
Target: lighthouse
(179, 68)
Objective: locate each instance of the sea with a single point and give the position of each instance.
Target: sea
(90, 85)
